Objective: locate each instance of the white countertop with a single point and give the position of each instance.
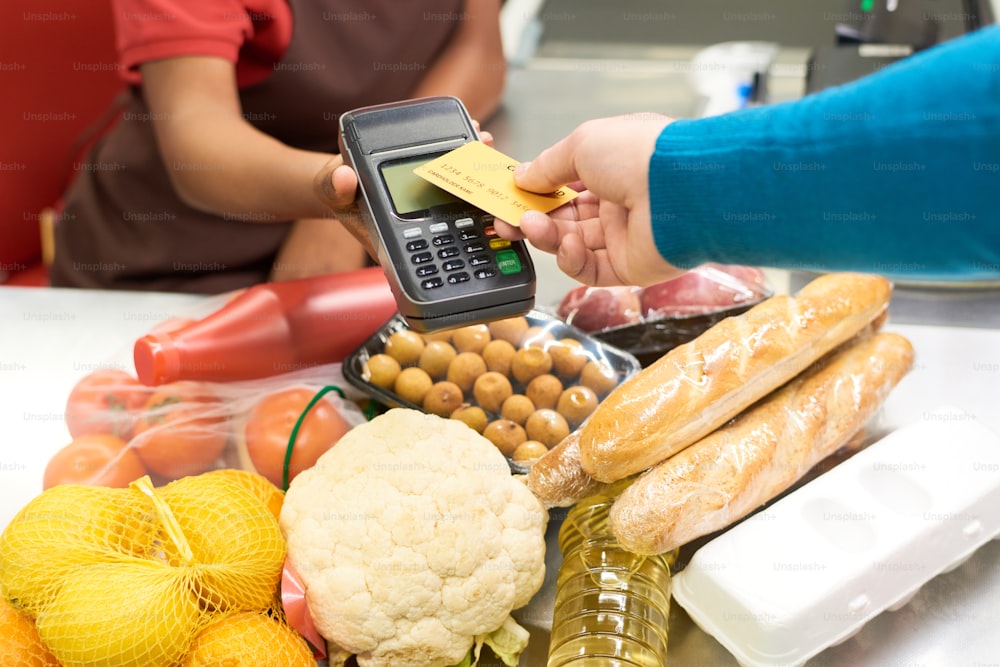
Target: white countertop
(49, 339)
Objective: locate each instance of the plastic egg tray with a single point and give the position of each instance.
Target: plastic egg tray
(809, 571)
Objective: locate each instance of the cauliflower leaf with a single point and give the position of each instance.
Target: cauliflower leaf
(507, 642)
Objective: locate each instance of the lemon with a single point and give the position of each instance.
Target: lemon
(64, 527)
(237, 550)
(261, 486)
(129, 614)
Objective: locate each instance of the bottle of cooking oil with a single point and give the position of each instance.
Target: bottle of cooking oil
(611, 606)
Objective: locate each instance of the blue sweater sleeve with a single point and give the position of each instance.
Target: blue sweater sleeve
(897, 173)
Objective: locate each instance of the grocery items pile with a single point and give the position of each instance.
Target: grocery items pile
(669, 427)
(411, 539)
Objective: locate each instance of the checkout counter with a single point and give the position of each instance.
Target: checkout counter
(51, 337)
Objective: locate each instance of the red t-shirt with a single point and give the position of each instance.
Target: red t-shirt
(251, 33)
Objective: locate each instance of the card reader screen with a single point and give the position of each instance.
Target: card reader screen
(409, 192)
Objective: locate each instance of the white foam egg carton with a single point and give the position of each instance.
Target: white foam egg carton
(809, 571)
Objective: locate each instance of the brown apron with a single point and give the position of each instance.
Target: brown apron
(124, 227)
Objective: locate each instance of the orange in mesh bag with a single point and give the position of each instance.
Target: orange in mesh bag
(260, 486)
(250, 639)
(19, 641)
(130, 576)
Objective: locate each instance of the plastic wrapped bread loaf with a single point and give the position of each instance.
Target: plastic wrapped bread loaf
(699, 386)
(761, 453)
(557, 478)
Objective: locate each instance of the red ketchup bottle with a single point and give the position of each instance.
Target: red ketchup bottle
(271, 328)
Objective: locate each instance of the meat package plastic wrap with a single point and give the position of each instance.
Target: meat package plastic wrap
(648, 321)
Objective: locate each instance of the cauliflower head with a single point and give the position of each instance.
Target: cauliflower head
(412, 538)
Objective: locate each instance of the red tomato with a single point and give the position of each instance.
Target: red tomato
(97, 460)
(270, 424)
(105, 401)
(182, 430)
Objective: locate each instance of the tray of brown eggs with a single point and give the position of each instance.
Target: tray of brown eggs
(523, 382)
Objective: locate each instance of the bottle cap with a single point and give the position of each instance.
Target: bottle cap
(156, 359)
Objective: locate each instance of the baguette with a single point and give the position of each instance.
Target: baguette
(761, 453)
(699, 386)
(557, 479)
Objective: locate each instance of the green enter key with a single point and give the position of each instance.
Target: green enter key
(508, 262)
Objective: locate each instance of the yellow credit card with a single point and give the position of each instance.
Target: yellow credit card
(484, 177)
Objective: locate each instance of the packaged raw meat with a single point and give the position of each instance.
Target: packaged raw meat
(649, 321)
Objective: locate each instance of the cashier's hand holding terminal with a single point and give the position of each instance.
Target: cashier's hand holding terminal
(604, 236)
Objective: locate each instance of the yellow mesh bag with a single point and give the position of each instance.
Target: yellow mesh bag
(261, 486)
(249, 639)
(134, 614)
(237, 550)
(130, 576)
(67, 526)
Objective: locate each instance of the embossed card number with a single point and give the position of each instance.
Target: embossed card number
(483, 176)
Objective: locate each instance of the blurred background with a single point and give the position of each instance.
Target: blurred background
(573, 60)
(570, 60)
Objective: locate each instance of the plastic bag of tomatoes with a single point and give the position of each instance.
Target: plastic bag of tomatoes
(121, 429)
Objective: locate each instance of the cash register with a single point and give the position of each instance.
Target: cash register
(871, 34)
